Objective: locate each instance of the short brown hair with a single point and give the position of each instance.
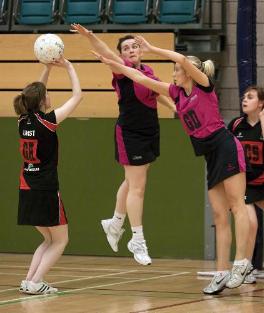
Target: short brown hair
(122, 39)
(258, 89)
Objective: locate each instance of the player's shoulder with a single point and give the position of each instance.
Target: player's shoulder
(48, 120)
(235, 123)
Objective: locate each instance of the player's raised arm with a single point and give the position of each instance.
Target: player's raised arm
(135, 75)
(196, 72)
(100, 46)
(45, 74)
(66, 109)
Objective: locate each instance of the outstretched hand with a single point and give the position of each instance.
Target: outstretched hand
(77, 28)
(61, 62)
(101, 58)
(143, 43)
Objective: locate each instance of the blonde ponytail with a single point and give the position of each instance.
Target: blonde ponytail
(207, 67)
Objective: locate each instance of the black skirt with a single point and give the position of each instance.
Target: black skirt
(254, 194)
(226, 160)
(41, 208)
(136, 147)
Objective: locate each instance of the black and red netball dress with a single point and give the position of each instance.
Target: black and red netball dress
(39, 198)
(252, 140)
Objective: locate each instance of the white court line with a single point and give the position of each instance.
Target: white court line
(91, 287)
(78, 279)
(91, 277)
(59, 275)
(209, 273)
(63, 268)
(84, 268)
(126, 282)
(11, 289)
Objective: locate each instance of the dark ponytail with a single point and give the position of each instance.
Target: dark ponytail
(30, 99)
(19, 104)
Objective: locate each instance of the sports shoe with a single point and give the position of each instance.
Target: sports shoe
(238, 274)
(217, 284)
(41, 288)
(250, 277)
(140, 251)
(112, 234)
(23, 286)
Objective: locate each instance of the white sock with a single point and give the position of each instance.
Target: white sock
(137, 233)
(118, 220)
(241, 262)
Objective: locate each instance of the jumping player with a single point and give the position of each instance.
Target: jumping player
(40, 204)
(137, 137)
(197, 107)
(249, 130)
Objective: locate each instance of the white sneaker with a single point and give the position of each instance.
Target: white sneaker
(217, 284)
(23, 286)
(41, 288)
(140, 251)
(238, 275)
(113, 235)
(250, 277)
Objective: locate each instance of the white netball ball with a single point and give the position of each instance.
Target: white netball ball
(48, 48)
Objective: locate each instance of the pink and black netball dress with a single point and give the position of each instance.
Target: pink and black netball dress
(202, 121)
(137, 131)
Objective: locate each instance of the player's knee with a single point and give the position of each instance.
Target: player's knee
(47, 241)
(137, 191)
(236, 203)
(61, 241)
(220, 217)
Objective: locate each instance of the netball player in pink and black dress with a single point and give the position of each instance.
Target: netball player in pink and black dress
(40, 204)
(136, 141)
(197, 107)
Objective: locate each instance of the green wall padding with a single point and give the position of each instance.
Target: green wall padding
(89, 179)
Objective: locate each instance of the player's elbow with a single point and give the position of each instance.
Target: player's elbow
(78, 96)
(181, 59)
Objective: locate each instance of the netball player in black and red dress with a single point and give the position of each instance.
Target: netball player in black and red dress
(40, 204)
(136, 141)
(249, 130)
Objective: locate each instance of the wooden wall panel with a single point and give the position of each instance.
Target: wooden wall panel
(94, 104)
(20, 46)
(91, 75)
